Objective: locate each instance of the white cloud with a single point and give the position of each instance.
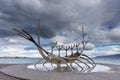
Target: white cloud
(104, 50)
(90, 46)
(59, 39)
(18, 50)
(64, 16)
(89, 2)
(17, 40)
(115, 32)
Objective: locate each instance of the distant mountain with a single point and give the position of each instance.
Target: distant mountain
(110, 56)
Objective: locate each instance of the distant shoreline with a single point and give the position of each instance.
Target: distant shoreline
(21, 57)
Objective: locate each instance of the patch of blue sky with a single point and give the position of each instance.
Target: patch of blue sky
(112, 26)
(102, 45)
(29, 45)
(44, 41)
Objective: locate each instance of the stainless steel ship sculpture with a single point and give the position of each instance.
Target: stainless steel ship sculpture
(76, 55)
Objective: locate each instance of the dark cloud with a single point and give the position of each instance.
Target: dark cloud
(24, 17)
(98, 16)
(111, 13)
(30, 48)
(6, 33)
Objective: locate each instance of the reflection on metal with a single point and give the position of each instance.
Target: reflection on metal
(76, 54)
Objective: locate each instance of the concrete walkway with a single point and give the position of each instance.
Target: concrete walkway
(7, 77)
(22, 72)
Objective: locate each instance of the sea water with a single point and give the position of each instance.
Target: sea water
(18, 60)
(108, 61)
(34, 60)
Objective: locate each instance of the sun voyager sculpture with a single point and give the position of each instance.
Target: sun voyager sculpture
(76, 60)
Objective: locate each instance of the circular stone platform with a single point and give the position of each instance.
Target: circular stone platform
(29, 72)
(49, 67)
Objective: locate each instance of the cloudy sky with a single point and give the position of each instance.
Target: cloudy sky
(60, 20)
